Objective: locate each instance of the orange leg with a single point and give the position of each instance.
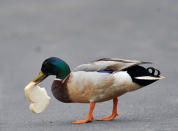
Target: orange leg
(90, 115)
(114, 112)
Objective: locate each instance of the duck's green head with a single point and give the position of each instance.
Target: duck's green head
(53, 66)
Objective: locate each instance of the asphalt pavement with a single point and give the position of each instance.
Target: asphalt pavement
(79, 31)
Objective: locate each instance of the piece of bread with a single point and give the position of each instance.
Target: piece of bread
(38, 98)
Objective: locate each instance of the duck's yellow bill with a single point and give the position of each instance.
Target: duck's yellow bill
(39, 78)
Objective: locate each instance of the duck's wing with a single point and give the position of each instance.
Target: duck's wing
(109, 64)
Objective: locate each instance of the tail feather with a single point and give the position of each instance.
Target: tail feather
(150, 78)
(144, 76)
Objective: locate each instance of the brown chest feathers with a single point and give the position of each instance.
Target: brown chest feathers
(60, 92)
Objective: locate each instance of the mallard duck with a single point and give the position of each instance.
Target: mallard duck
(98, 81)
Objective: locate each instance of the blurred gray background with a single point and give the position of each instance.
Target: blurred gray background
(79, 31)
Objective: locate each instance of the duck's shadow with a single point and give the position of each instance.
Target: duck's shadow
(62, 123)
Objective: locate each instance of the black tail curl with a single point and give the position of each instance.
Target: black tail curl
(153, 72)
(139, 71)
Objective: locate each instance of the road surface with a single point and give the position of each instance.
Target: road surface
(80, 31)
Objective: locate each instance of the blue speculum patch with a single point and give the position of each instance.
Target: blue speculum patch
(105, 71)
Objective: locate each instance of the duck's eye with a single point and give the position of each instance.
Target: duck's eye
(151, 70)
